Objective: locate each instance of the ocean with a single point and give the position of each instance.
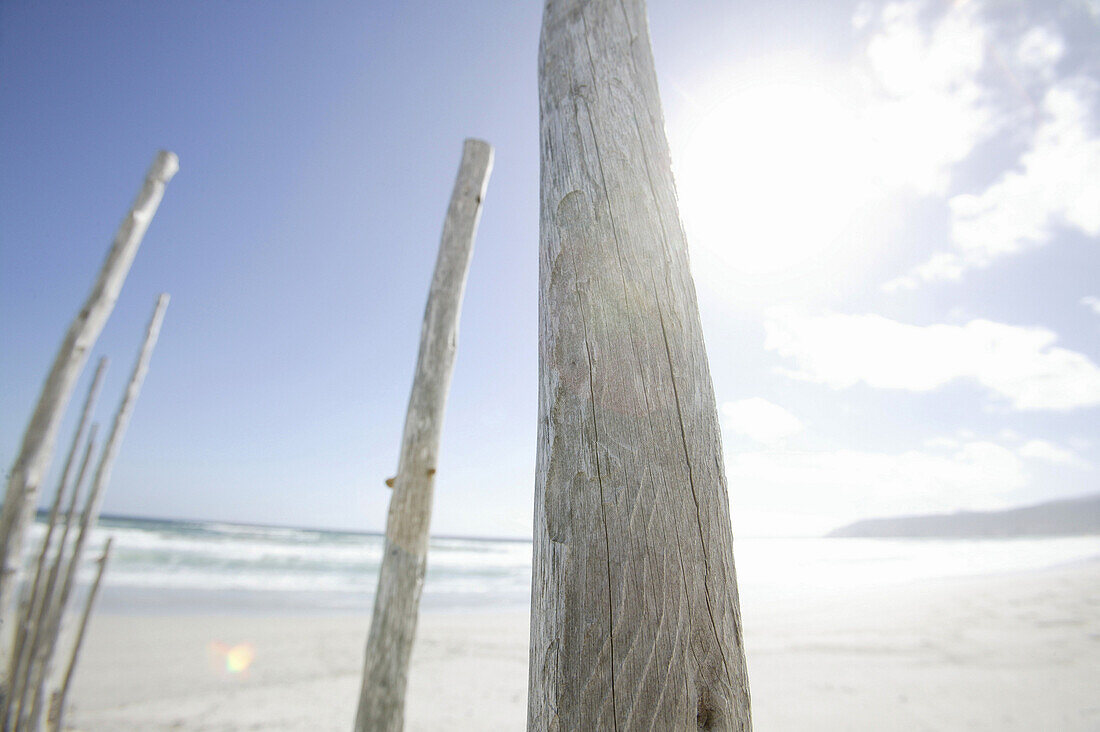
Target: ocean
(201, 567)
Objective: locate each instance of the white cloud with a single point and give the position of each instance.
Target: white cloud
(781, 491)
(1040, 49)
(760, 420)
(1058, 184)
(850, 484)
(1020, 364)
(1092, 303)
(942, 442)
(930, 111)
(864, 14)
(1054, 185)
(1051, 453)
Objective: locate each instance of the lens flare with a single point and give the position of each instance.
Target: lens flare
(232, 659)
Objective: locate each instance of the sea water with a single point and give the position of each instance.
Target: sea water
(213, 568)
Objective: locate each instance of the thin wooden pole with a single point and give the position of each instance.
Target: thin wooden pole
(635, 622)
(31, 608)
(44, 650)
(57, 699)
(37, 606)
(401, 577)
(66, 473)
(36, 450)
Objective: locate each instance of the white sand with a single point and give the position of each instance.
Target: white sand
(1019, 652)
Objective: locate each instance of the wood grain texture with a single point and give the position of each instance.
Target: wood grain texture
(401, 577)
(635, 622)
(36, 450)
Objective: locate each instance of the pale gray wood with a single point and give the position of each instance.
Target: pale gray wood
(401, 577)
(56, 715)
(36, 450)
(35, 631)
(635, 622)
(43, 652)
(31, 610)
(35, 607)
(66, 474)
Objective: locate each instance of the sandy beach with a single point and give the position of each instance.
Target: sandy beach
(1009, 652)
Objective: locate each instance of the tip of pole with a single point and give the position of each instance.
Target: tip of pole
(473, 142)
(166, 165)
(478, 152)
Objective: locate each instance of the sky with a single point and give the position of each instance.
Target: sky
(893, 212)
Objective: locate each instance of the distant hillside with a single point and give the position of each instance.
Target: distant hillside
(1068, 517)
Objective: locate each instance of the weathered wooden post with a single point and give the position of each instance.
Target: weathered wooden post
(36, 620)
(36, 450)
(401, 577)
(63, 483)
(43, 651)
(31, 608)
(35, 617)
(56, 713)
(635, 622)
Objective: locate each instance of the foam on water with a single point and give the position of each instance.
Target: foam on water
(231, 565)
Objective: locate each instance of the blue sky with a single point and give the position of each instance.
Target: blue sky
(893, 210)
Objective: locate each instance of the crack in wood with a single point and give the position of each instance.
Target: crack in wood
(695, 498)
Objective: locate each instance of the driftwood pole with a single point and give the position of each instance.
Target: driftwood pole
(35, 617)
(43, 651)
(66, 473)
(35, 607)
(635, 622)
(57, 699)
(31, 608)
(37, 447)
(396, 603)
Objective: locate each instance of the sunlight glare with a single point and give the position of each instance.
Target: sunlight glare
(771, 175)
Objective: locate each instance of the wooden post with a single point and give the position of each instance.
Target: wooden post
(63, 483)
(23, 654)
(44, 649)
(37, 448)
(57, 699)
(401, 577)
(635, 622)
(36, 606)
(33, 605)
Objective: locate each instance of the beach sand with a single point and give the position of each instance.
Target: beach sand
(1013, 652)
